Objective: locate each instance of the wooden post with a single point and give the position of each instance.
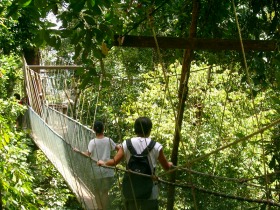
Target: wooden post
(182, 95)
(194, 43)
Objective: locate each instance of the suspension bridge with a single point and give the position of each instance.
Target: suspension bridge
(57, 134)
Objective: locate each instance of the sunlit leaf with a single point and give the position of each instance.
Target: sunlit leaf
(24, 3)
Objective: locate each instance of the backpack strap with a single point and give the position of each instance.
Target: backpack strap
(145, 151)
(130, 147)
(148, 148)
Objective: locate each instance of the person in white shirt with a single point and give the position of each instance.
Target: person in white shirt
(100, 148)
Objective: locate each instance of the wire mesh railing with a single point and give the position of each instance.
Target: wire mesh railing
(55, 134)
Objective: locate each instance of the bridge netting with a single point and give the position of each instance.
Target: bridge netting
(57, 134)
(56, 140)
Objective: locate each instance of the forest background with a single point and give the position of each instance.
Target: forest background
(200, 100)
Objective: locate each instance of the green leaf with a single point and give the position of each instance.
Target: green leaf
(98, 35)
(12, 10)
(40, 38)
(80, 71)
(85, 82)
(1, 10)
(78, 49)
(105, 3)
(106, 83)
(77, 6)
(263, 207)
(40, 3)
(66, 33)
(58, 42)
(80, 24)
(91, 3)
(24, 3)
(50, 24)
(97, 53)
(92, 71)
(75, 38)
(109, 16)
(6, 137)
(54, 41)
(272, 163)
(106, 29)
(90, 21)
(240, 135)
(275, 99)
(96, 10)
(85, 55)
(88, 38)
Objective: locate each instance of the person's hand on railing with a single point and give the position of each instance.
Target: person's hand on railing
(100, 163)
(75, 149)
(84, 153)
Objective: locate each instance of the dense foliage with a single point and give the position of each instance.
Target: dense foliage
(28, 180)
(90, 26)
(230, 94)
(219, 111)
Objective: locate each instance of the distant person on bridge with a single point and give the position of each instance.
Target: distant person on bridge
(100, 148)
(140, 143)
(19, 119)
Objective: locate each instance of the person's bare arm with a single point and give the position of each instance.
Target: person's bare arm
(87, 153)
(112, 162)
(117, 148)
(163, 161)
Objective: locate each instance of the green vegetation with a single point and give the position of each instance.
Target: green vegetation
(28, 180)
(199, 100)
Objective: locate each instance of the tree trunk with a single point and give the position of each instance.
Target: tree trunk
(32, 56)
(182, 95)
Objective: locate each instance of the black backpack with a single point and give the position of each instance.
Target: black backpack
(134, 184)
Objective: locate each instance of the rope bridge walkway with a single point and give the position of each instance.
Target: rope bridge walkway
(55, 141)
(57, 134)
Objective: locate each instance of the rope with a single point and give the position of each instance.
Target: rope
(251, 91)
(243, 181)
(72, 165)
(193, 187)
(69, 154)
(228, 145)
(270, 202)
